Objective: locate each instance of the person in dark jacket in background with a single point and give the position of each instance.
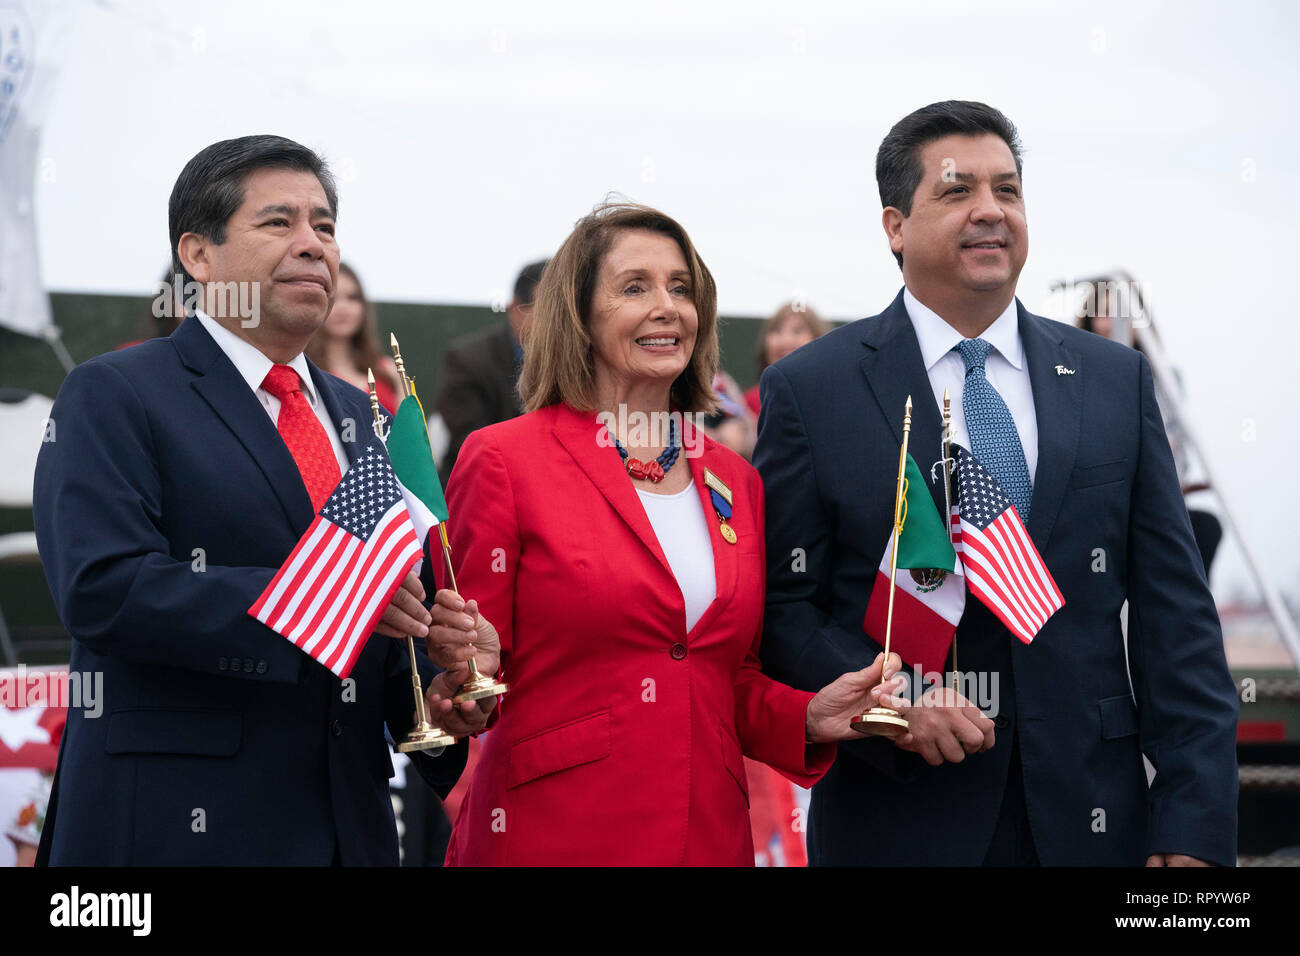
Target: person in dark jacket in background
(479, 371)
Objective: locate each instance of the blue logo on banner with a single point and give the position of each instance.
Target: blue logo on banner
(15, 64)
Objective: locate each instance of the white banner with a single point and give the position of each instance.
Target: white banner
(28, 32)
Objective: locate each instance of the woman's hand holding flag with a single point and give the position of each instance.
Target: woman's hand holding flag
(459, 632)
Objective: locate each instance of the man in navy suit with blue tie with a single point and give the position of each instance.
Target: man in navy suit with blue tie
(1067, 424)
(183, 472)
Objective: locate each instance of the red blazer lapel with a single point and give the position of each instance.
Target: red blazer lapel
(588, 442)
(724, 554)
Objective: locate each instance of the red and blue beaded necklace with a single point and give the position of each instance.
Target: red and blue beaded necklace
(652, 470)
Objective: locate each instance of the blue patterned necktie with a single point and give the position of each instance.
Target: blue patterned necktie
(993, 436)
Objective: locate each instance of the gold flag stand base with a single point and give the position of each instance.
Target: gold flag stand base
(479, 686)
(880, 722)
(425, 737)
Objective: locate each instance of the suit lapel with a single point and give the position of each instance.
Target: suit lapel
(226, 392)
(894, 369)
(580, 434)
(586, 440)
(348, 410)
(1058, 404)
(724, 554)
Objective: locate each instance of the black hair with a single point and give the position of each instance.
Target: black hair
(211, 186)
(526, 284)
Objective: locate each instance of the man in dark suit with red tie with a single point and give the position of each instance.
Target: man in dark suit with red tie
(1067, 424)
(184, 472)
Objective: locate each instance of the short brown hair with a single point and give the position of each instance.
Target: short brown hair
(813, 322)
(559, 365)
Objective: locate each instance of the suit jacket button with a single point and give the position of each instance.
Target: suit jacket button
(248, 665)
(1001, 722)
(222, 663)
(336, 729)
(261, 667)
(678, 651)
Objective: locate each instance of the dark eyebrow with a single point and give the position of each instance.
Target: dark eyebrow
(282, 209)
(970, 177)
(628, 273)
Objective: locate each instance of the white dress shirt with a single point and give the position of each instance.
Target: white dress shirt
(683, 532)
(252, 366)
(1004, 367)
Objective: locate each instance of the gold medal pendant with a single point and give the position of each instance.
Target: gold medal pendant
(728, 535)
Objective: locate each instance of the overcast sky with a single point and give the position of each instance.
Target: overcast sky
(468, 138)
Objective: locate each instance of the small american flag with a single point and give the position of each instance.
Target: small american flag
(334, 586)
(1003, 568)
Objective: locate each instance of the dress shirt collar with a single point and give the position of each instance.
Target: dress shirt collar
(937, 338)
(249, 361)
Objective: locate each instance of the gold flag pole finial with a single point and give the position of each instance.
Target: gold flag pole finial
(477, 686)
(424, 735)
(374, 402)
(401, 367)
(886, 721)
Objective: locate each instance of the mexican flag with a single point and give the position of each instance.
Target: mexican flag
(412, 459)
(926, 612)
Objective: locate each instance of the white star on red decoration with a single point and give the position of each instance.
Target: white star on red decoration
(20, 727)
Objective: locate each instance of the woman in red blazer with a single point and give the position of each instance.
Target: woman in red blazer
(625, 580)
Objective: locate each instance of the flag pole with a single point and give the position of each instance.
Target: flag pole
(477, 686)
(885, 721)
(947, 500)
(424, 735)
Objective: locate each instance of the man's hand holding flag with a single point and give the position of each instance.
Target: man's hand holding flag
(345, 571)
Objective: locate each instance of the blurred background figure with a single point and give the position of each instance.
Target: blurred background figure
(793, 325)
(16, 787)
(480, 371)
(733, 424)
(31, 728)
(348, 343)
(1109, 309)
(24, 830)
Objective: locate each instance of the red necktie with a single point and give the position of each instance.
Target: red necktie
(304, 434)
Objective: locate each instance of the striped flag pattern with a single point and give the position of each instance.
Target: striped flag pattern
(1003, 568)
(334, 586)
